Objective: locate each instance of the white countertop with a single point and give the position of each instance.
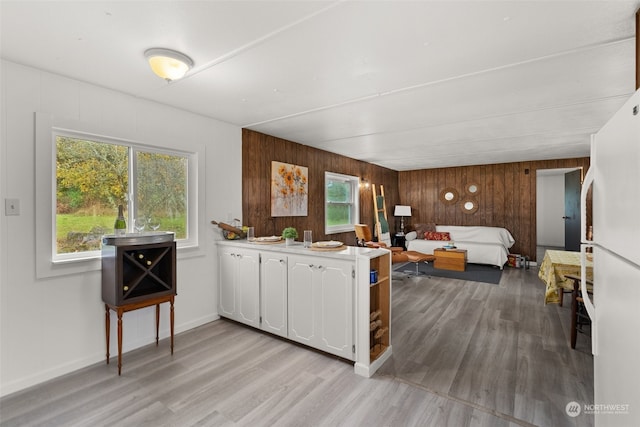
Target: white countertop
(350, 252)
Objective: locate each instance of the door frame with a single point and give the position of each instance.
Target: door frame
(540, 195)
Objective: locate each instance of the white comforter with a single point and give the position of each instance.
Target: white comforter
(484, 245)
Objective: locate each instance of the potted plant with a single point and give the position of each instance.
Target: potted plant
(289, 234)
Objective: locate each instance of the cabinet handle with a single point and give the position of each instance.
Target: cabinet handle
(281, 261)
(310, 265)
(319, 267)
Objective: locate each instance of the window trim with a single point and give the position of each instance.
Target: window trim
(45, 195)
(354, 181)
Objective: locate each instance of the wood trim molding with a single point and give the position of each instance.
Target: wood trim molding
(638, 49)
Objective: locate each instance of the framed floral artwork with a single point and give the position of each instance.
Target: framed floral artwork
(289, 189)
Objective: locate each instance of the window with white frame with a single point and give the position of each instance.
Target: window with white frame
(94, 175)
(341, 202)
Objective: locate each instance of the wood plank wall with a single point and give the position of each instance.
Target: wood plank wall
(259, 150)
(507, 196)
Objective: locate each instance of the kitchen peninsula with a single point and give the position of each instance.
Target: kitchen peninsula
(336, 301)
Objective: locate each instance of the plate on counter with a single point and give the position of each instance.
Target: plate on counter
(327, 244)
(268, 239)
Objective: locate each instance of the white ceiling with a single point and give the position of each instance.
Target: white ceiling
(402, 84)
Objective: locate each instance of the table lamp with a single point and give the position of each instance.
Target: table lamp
(402, 211)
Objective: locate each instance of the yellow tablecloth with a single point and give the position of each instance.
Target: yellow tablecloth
(553, 269)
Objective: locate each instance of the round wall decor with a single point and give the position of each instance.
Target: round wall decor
(472, 188)
(469, 205)
(449, 196)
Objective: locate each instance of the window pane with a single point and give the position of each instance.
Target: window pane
(91, 181)
(162, 191)
(338, 214)
(341, 202)
(339, 191)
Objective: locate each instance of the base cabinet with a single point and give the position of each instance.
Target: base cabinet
(323, 300)
(320, 304)
(240, 285)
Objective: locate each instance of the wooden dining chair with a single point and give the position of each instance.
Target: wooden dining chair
(579, 316)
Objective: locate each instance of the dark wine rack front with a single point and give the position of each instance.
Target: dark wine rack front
(134, 273)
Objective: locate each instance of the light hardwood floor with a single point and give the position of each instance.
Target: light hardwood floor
(465, 354)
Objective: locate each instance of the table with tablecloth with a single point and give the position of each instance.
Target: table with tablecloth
(554, 267)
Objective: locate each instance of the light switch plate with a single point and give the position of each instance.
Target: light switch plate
(11, 207)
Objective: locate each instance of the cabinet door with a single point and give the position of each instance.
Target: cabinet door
(302, 301)
(335, 309)
(240, 285)
(248, 288)
(321, 304)
(273, 289)
(227, 270)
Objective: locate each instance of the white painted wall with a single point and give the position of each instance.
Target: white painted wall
(550, 210)
(49, 327)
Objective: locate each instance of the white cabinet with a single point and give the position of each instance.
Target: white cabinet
(273, 293)
(240, 285)
(320, 304)
(324, 300)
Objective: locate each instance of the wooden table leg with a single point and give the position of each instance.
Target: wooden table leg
(561, 291)
(157, 323)
(171, 316)
(107, 326)
(574, 313)
(120, 310)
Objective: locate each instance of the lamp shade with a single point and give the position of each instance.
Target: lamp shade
(402, 210)
(167, 63)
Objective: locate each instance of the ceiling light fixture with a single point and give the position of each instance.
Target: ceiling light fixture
(168, 64)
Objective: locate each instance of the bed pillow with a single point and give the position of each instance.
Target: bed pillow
(437, 235)
(423, 228)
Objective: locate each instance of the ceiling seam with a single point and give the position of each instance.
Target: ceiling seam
(585, 131)
(248, 46)
(451, 156)
(437, 82)
(488, 117)
(488, 147)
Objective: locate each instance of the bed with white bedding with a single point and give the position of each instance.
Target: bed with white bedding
(484, 245)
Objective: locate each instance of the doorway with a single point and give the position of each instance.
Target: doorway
(550, 210)
(572, 187)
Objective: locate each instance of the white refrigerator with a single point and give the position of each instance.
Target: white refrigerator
(614, 176)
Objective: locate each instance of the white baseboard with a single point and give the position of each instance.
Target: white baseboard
(98, 357)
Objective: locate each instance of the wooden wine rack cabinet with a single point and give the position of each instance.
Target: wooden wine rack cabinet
(135, 273)
(137, 276)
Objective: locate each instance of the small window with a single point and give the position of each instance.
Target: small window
(342, 207)
(95, 175)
